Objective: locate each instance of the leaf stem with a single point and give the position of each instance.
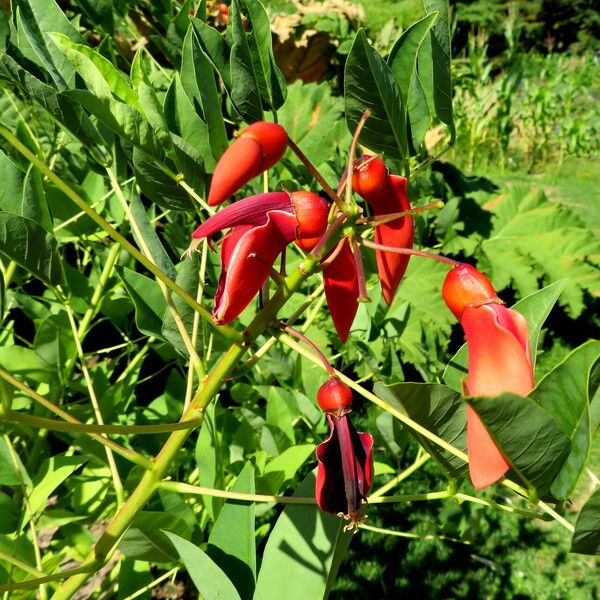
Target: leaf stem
(409, 252)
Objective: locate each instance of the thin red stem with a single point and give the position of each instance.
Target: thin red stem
(410, 252)
(327, 261)
(312, 346)
(316, 251)
(352, 153)
(382, 219)
(363, 296)
(314, 172)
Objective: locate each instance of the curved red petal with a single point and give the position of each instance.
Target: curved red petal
(248, 254)
(392, 198)
(486, 463)
(240, 163)
(499, 354)
(248, 211)
(341, 290)
(272, 139)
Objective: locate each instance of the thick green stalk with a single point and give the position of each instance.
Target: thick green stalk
(226, 331)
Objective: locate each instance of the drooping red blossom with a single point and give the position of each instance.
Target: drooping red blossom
(341, 289)
(261, 227)
(386, 194)
(499, 360)
(257, 149)
(345, 464)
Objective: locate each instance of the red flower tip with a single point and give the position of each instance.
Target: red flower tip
(345, 470)
(368, 178)
(335, 397)
(308, 244)
(257, 149)
(465, 286)
(311, 213)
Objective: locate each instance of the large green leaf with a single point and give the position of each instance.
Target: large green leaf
(271, 83)
(30, 246)
(533, 238)
(35, 18)
(231, 543)
(370, 84)
(531, 440)
(245, 82)
(439, 409)
(215, 47)
(586, 538)
(535, 308)
(148, 300)
(65, 111)
(435, 64)
(563, 393)
(303, 552)
(403, 64)
(208, 578)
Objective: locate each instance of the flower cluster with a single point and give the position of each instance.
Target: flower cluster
(259, 228)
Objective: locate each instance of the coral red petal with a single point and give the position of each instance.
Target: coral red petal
(499, 361)
(486, 463)
(240, 163)
(341, 290)
(249, 211)
(248, 254)
(399, 234)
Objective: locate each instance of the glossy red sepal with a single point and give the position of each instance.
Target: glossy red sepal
(345, 469)
(341, 290)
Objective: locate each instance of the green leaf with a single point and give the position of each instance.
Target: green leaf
(98, 73)
(436, 58)
(157, 185)
(260, 43)
(533, 238)
(370, 84)
(245, 85)
(439, 409)
(54, 342)
(147, 298)
(306, 546)
(52, 472)
(208, 578)
(66, 112)
(231, 544)
(403, 64)
(530, 439)
(30, 246)
(147, 540)
(214, 46)
(586, 538)
(26, 363)
(35, 18)
(535, 308)
(283, 468)
(182, 119)
(9, 472)
(563, 393)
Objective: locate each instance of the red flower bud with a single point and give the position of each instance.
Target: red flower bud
(335, 397)
(257, 149)
(465, 286)
(311, 213)
(368, 178)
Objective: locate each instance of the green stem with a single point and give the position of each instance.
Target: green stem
(54, 425)
(225, 330)
(412, 536)
(20, 565)
(130, 455)
(392, 483)
(409, 497)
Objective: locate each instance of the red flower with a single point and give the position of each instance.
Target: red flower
(256, 149)
(386, 194)
(499, 361)
(261, 227)
(345, 465)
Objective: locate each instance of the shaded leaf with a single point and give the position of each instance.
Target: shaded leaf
(586, 538)
(530, 439)
(30, 246)
(306, 546)
(370, 84)
(439, 409)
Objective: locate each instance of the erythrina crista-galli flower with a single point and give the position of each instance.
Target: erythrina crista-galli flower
(260, 227)
(345, 464)
(499, 360)
(257, 148)
(386, 194)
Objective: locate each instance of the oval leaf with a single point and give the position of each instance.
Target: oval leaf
(586, 539)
